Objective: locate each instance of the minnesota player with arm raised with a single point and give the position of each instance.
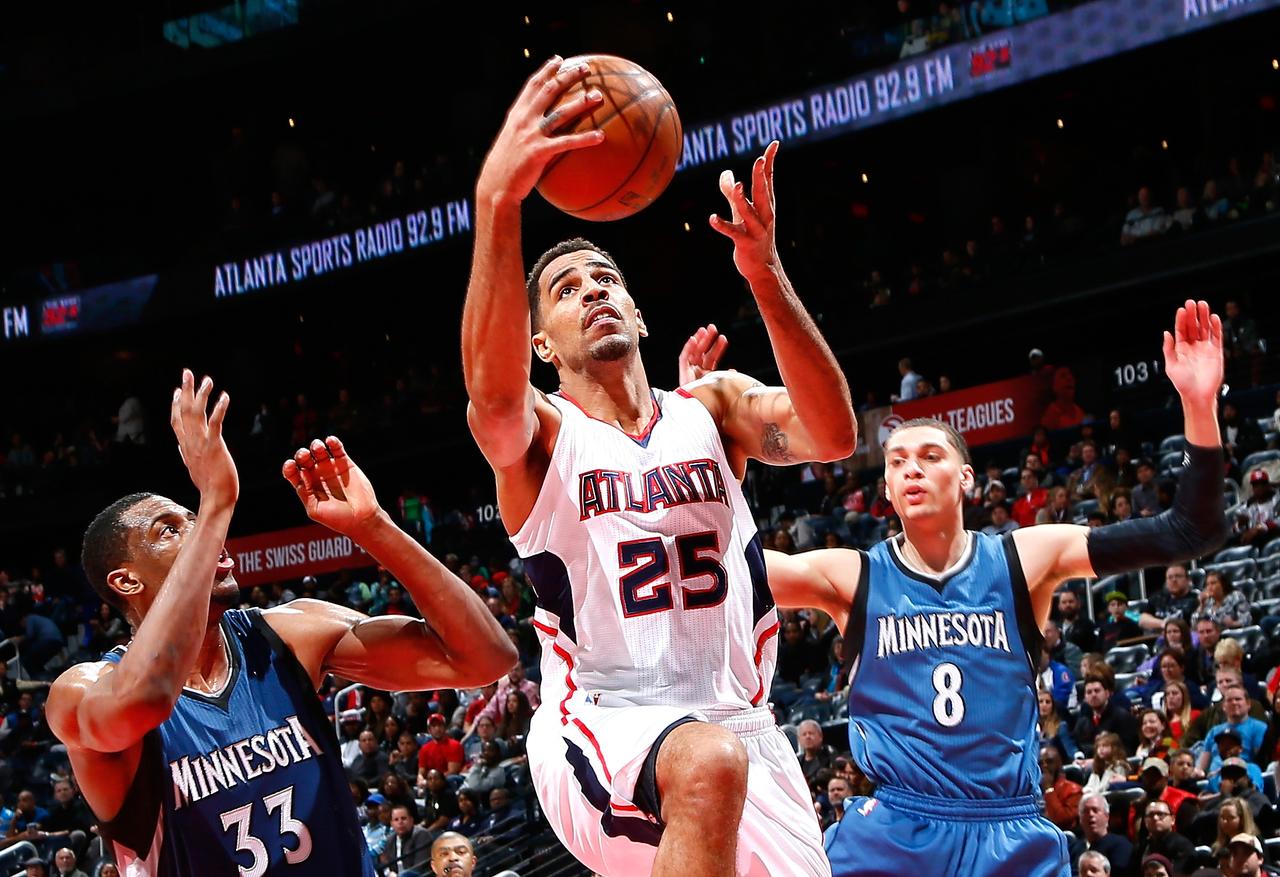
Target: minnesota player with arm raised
(202, 747)
(654, 750)
(942, 632)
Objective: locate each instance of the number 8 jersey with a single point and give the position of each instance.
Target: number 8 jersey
(245, 781)
(942, 698)
(647, 566)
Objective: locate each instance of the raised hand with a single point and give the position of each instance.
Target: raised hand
(701, 353)
(200, 441)
(530, 136)
(1193, 352)
(331, 487)
(751, 225)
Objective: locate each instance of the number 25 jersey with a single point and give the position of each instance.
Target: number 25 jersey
(647, 568)
(942, 697)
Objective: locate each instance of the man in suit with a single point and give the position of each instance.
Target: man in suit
(408, 850)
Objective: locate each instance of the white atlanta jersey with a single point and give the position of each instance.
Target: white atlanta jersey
(647, 567)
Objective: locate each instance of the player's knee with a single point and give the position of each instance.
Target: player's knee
(709, 766)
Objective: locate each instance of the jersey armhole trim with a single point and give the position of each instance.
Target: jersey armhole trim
(855, 629)
(288, 659)
(1028, 630)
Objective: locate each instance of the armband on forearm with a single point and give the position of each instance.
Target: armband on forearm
(1194, 526)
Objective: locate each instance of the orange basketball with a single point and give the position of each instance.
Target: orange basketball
(641, 146)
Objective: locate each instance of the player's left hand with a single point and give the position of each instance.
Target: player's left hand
(331, 487)
(1193, 352)
(701, 353)
(751, 227)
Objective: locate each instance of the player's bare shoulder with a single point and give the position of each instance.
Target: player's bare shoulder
(66, 693)
(719, 391)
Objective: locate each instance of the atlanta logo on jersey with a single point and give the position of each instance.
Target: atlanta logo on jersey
(604, 491)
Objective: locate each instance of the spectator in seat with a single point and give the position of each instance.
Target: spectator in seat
(1163, 840)
(1076, 626)
(1102, 713)
(1248, 858)
(1053, 730)
(468, 820)
(1247, 731)
(1237, 789)
(504, 819)
(1061, 795)
(1146, 221)
(1056, 679)
(1234, 817)
(1178, 710)
(1257, 524)
(452, 855)
(1185, 214)
(489, 773)
(1143, 495)
(1061, 650)
(404, 761)
(995, 494)
(1110, 764)
(1182, 771)
(1095, 838)
(838, 792)
(798, 656)
(1033, 498)
(1154, 779)
(1222, 602)
(1153, 735)
(514, 681)
(409, 846)
(1090, 864)
(907, 389)
(485, 732)
(69, 819)
(1058, 509)
(64, 864)
(815, 755)
(516, 717)
(1063, 412)
(1200, 661)
(441, 752)
(1225, 677)
(1000, 523)
(371, 763)
(440, 803)
(1176, 600)
(1242, 346)
(1240, 436)
(1119, 506)
(1118, 627)
(1093, 480)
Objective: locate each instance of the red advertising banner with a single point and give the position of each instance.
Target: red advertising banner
(292, 554)
(988, 413)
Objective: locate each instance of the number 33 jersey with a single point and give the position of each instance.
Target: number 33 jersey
(942, 697)
(246, 781)
(647, 568)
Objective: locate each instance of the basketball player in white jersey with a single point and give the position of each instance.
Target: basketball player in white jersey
(654, 750)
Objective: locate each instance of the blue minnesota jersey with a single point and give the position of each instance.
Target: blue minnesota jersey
(247, 781)
(942, 694)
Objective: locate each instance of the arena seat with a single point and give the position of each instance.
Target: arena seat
(1236, 569)
(1257, 458)
(1238, 552)
(1126, 659)
(1249, 637)
(1171, 443)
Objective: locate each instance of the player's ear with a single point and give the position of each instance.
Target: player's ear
(644, 331)
(122, 581)
(542, 347)
(967, 477)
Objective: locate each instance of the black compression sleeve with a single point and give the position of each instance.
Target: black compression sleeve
(1194, 526)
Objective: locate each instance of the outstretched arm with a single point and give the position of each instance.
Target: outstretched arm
(108, 708)
(825, 579)
(458, 644)
(496, 327)
(1194, 526)
(811, 416)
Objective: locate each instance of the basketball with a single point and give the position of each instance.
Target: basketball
(637, 159)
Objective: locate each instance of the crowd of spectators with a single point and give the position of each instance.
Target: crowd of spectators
(1039, 239)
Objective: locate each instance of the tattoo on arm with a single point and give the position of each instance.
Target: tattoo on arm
(773, 445)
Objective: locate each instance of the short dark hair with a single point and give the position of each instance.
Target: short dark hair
(572, 245)
(1107, 682)
(954, 438)
(105, 547)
